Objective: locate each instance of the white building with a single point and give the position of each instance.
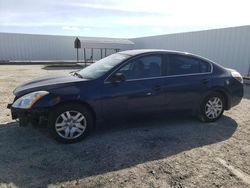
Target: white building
(49, 47)
(229, 47)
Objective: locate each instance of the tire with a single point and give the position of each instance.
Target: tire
(70, 123)
(212, 107)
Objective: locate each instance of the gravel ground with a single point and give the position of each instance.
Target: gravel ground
(153, 152)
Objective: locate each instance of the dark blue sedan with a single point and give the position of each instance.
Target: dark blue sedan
(127, 83)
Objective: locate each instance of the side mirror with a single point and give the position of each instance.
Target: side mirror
(117, 78)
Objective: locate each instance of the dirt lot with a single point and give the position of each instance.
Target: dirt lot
(152, 152)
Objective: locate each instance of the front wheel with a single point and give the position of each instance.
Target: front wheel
(70, 123)
(212, 107)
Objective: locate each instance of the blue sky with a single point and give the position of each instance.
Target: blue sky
(127, 19)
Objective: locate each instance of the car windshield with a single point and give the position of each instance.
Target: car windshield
(102, 66)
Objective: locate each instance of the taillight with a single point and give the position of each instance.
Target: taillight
(237, 76)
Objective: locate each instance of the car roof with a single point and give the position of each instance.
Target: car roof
(143, 51)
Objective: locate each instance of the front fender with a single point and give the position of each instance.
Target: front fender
(68, 95)
(59, 95)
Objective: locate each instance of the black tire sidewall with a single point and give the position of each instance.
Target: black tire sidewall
(67, 107)
(202, 114)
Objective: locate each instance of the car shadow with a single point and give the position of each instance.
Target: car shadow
(30, 158)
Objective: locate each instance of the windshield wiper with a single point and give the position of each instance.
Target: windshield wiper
(77, 74)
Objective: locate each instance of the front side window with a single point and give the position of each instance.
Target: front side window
(144, 67)
(181, 65)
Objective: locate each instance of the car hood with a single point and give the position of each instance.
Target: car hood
(46, 83)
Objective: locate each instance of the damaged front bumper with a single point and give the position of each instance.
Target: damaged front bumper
(35, 116)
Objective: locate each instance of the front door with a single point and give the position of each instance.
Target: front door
(140, 92)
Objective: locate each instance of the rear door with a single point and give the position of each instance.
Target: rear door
(186, 79)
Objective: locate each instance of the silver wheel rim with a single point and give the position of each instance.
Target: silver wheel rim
(70, 124)
(213, 108)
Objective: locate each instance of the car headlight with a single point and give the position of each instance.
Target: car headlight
(28, 100)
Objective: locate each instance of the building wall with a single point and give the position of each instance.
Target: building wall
(229, 47)
(48, 47)
(36, 47)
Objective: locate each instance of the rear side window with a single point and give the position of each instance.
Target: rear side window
(181, 65)
(205, 66)
(144, 67)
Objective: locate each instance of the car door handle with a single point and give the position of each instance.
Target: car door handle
(157, 88)
(204, 81)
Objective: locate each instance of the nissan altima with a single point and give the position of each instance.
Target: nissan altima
(134, 82)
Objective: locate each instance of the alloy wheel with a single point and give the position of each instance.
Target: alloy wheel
(70, 124)
(213, 107)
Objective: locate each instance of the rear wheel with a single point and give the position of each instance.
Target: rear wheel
(70, 123)
(212, 107)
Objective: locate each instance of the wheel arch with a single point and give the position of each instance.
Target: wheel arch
(224, 94)
(79, 102)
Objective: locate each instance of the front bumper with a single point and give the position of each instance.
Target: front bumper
(31, 114)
